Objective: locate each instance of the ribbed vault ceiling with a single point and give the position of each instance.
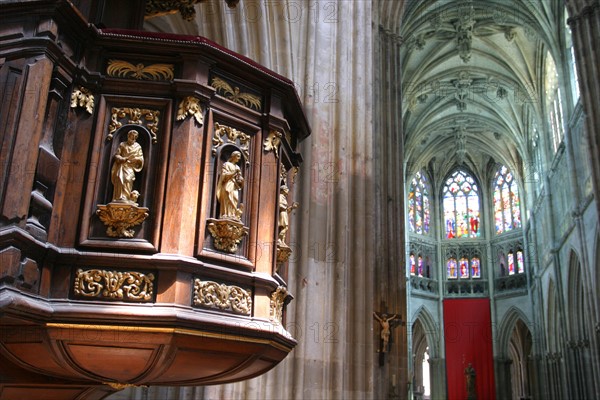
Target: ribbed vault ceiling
(472, 79)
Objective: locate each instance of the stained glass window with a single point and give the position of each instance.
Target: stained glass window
(419, 211)
(452, 271)
(461, 206)
(507, 211)
(475, 268)
(464, 268)
(520, 264)
(420, 266)
(412, 264)
(511, 263)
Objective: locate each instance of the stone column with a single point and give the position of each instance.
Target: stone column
(437, 378)
(326, 48)
(585, 27)
(503, 378)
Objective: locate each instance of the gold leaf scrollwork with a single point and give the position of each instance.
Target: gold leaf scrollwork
(222, 297)
(156, 8)
(137, 116)
(233, 136)
(272, 142)
(227, 234)
(119, 285)
(121, 386)
(233, 93)
(276, 304)
(152, 72)
(83, 97)
(190, 105)
(119, 218)
(295, 171)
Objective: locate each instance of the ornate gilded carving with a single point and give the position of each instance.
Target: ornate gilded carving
(121, 386)
(190, 105)
(222, 297)
(227, 234)
(137, 116)
(123, 212)
(83, 97)
(283, 250)
(117, 285)
(272, 142)
(283, 254)
(152, 72)
(276, 305)
(295, 171)
(233, 136)
(228, 230)
(156, 8)
(120, 218)
(128, 160)
(233, 93)
(229, 186)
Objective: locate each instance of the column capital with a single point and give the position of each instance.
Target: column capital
(584, 12)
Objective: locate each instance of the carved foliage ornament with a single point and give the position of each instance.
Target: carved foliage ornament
(155, 8)
(227, 234)
(123, 213)
(116, 285)
(222, 297)
(152, 72)
(82, 97)
(276, 304)
(225, 134)
(137, 116)
(190, 105)
(234, 94)
(120, 218)
(272, 142)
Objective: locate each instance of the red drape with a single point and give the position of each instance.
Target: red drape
(468, 339)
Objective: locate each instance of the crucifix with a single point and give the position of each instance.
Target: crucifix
(387, 322)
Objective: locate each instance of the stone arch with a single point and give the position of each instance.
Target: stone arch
(507, 326)
(576, 320)
(515, 345)
(430, 331)
(424, 348)
(578, 344)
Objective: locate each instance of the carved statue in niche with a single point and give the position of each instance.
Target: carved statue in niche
(229, 185)
(228, 230)
(128, 160)
(284, 211)
(123, 212)
(283, 250)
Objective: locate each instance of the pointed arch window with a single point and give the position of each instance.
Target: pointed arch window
(464, 268)
(461, 206)
(553, 102)
(511, 264)
(507, 211)
(419, 211)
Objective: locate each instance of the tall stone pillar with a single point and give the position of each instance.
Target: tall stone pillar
(585, 27)
(437, 377)
(503, 378)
